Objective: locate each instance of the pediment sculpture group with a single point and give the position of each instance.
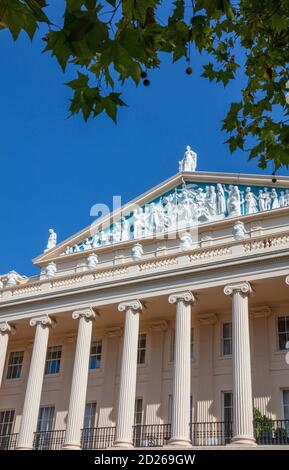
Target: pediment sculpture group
(184, 207)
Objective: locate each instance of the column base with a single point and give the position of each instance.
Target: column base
(242, 441)
(71, 446)
(179, 442)
(122, 444)
(24, 447)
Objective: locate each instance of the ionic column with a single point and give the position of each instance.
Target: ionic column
(182, 370)
(243, 429)
(106, 412)
(125, 415)
(34, 383)
(77, 399)
(5, 331)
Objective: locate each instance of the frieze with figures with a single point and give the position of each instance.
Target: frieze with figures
(188, 205)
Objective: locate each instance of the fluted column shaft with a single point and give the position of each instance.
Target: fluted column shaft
(126, 403)
(34, 384)
(5, 331)
(243, 429)
(182, 370)
(78, 391)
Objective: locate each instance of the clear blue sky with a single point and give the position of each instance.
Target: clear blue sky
(54, 169)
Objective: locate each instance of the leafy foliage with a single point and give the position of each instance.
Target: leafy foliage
(111, 41)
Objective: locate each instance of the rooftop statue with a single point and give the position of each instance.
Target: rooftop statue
(189, 161)
(52, 239)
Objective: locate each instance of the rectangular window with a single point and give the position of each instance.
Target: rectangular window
(283, 331)
(6, 422)
(15, 362)
(170, 409)
(286, 404)
(89, 416)
(227, 417)
(95, 354)
(141, 350)
(53, 358)
(45, 419)
(138, 411)
(227, 339)
(172, 351)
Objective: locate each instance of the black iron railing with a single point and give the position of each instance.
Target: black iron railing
(151, 435)
(8, 441)
(97, 438)
(217, 433)
(272, 432)
(49, 440)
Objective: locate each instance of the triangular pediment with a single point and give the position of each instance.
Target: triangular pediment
(183, 201)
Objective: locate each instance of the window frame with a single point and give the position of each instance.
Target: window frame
(223, 339)
(8, 365)
(8, 423)
(278, 333)
(283, 404)
(95, 415)
(142, 349)
(93, 343)
(50, 361)
(52, 421)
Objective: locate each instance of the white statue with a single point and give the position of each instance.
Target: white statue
(262, 200)
(234, 202)
(282, 201)
(267, 199)
(251, 202)
(186, 242)
(138, 223)
(286, 197)
(87, 244)
(92, 261)
(76, 249)
(171, 212)
(11, 279)
(52, 239)
(189, 162)
(239, 231)
(137, 251)
(275, 200)
(221, 200)
(116, 232)
(1, 284)
(125, 229)
(95, 241)
(51, 269)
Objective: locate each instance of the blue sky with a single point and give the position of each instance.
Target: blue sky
(53, 169)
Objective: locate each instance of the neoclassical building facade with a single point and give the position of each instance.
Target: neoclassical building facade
(163, 323)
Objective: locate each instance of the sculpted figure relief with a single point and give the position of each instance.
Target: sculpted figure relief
(185, 207)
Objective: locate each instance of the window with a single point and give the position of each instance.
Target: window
(138, 411)
(227, 339)
(283, 331)
(227, 412)
(89, 415)
(6, 422)
(170, 409)
(53, 358)
(95, 354)
(141, 350)
(286, 404)
(172, 352)
(45, 419)
(15, 365)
